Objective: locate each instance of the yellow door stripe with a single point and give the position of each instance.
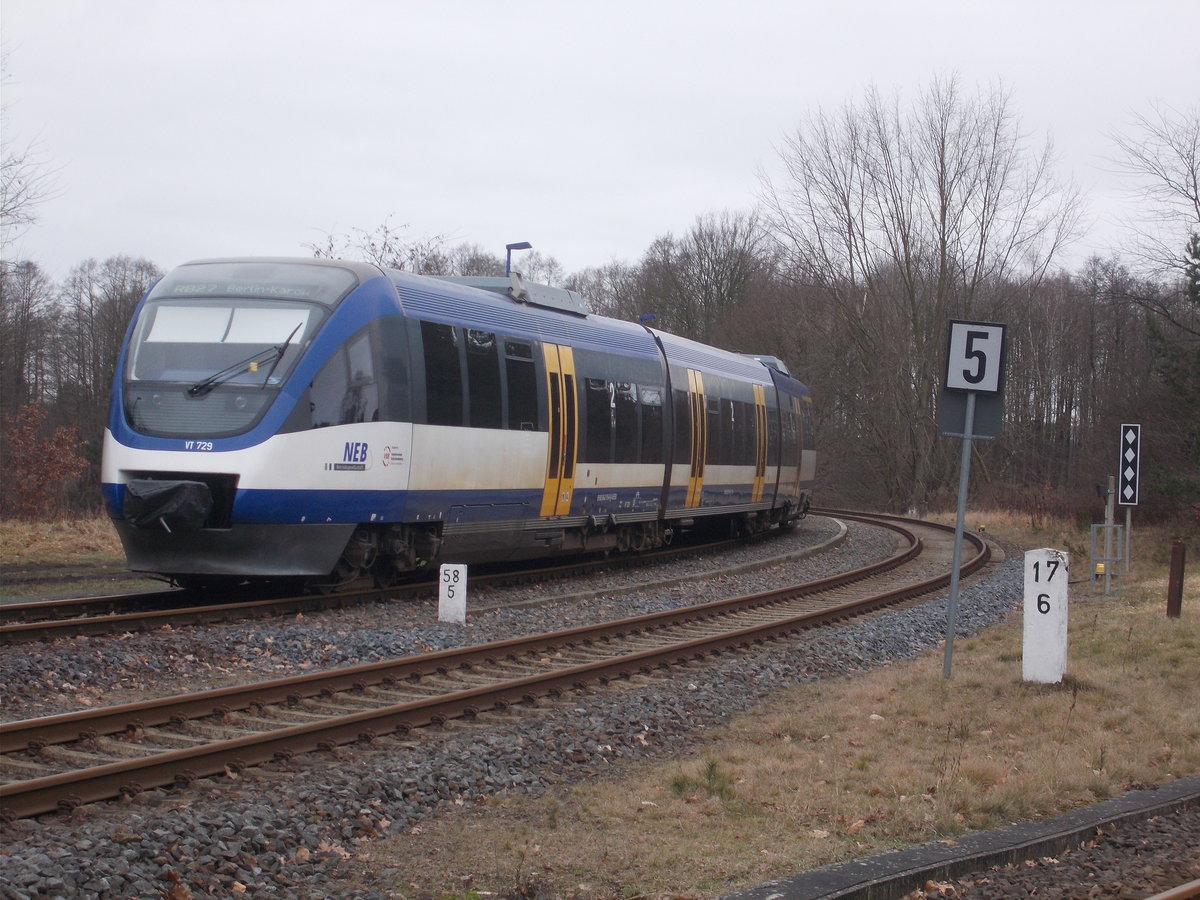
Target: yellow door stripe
(760, 456)
(699, 437)
(570, 432)
(564, 430)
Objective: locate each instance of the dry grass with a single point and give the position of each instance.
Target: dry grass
(70, 541)
(839, 770)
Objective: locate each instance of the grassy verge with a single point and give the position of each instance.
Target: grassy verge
(62, 558)
(59, 542)
(843, 769)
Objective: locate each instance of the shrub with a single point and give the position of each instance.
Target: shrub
(38, 468)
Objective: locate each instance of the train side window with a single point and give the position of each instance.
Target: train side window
(483, 379)
(789, 435)
(521, 381)
(344, 391)
(728, 436)
(328, 389)
(712, 410)
(773, 435)
(733, 421)
(747, 427)
(683, 427)
(393, 369)
(737, 425)
(361, 400)
(443, 374)
(626, 426)
(599, 419)
(652, 425)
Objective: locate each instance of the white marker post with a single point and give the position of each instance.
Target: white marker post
(1044, 658)
(452, 594)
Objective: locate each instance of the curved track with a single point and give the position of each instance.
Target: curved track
(62, 761)
(52, 619)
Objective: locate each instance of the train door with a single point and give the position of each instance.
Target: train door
(564, 430)
(760, 455)
(699, 437)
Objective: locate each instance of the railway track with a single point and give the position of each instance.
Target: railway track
(62, 761)
(52, 619)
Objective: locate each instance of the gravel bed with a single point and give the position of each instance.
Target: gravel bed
(67, 675)
(1119, 862)
(286, 830)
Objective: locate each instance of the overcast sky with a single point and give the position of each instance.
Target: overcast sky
(182, 129)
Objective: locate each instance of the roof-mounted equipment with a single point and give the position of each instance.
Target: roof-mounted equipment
(517, 288)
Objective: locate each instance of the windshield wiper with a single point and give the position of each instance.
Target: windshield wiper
(200, 388)
(282, 349)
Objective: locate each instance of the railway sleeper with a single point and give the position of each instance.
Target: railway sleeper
(24, 768)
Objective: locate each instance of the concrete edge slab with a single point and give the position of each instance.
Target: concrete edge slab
(891, 875)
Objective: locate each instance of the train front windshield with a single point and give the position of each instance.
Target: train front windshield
(215, 341)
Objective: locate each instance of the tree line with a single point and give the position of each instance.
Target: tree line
(887, 220)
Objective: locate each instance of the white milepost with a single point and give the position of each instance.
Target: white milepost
(452, 594)
(1044, 658)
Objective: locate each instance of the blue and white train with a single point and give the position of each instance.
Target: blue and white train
(328, 420)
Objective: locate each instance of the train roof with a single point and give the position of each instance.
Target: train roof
(363, 270)
(470, 304)
(555, 314)
(771, 362)
(683, 351)
(518, 307)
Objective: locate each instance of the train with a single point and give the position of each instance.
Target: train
(328, 421)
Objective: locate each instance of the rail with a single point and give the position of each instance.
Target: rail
(98, 782)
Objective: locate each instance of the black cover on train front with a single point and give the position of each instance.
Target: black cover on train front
(175, 505)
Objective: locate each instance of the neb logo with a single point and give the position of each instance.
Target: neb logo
(354, 452)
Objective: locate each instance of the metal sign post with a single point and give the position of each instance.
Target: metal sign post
(964, 479)
(974, 365)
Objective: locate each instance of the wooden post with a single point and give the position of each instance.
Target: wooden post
(1175, 584)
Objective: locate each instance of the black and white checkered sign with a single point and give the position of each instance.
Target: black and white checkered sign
(1127, 482)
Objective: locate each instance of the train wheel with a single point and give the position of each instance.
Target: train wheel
(384, 574)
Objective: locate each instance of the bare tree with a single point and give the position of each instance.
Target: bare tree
(1161, 153)
(28, 318)
(469, 259)
(541, 268)
(96, 302)
(610, 290)
(901, 218)
(386, 246)
(26, 181)
(695, 282)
